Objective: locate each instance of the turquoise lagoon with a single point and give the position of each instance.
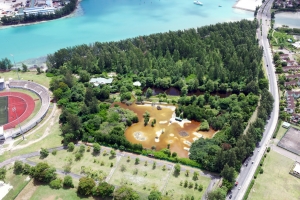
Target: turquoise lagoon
(112, 20)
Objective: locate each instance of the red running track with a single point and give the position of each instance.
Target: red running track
(20, 107)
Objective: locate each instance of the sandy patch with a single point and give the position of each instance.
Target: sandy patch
(27, 192)
(195, 138)
(139, 136)
(158, 133)
(52, 197)
(27, 178)
(247, 4)
(4, 189)
(187, 142)
(198, 135)
(171, 134)
(163, 122)
(187, 149)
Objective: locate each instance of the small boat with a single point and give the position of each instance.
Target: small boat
(220, 6)
(198, 3)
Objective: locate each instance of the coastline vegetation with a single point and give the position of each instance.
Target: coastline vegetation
(66, 10)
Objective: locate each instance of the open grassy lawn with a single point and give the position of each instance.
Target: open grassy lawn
(177, 191)
(88, 160)
(17, 181)
(140, 177)
(40, 79)
(44, 192)
(276, 182)
(281, 132)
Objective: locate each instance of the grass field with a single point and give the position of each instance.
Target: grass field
(3, 110)
(175, 190)
(94, 162)
(281, 132)
(276, 182)
(17, 181)
(140, 177)
(40, 79)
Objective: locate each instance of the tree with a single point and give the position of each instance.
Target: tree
(216, 194)
(26, 169)
(177, 169)
(5, 64)
(42, 172)
(18, 167)
(86, 186)
(155, 195)
(125, 193)
(97, 148)
(104, 189)
(2, 173)
(71, 146)
(228, 173)
(204, 126)
(38, 69)
(84, 76)
(44, 153)
(24, 67)
(68, 181)
(137, 161)
(149, 93)
(195, 175)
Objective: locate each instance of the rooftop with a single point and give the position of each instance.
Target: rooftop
(101, 81)
(297, 168)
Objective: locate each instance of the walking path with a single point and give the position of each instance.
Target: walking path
(112, 171)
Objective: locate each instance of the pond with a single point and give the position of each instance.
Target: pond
(290, 19)
(166, 131)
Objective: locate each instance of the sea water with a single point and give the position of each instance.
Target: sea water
(112, 20)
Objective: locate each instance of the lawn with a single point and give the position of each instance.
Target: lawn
(17, 181)
(281, 132)
(175, 190)
(139, 176)
(44, 192)
(63, 157)
(40, 79)
(276, 180)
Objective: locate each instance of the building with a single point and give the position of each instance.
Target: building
(291, 68)
(137, 84)
(101, 81)
(286, 125)
(292, 83)
(2, 84)
(296, 170)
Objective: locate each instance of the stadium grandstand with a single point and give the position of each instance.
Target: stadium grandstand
(2, 84)
(42, 92)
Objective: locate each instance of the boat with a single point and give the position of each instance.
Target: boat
(220, 6)
(198, 3)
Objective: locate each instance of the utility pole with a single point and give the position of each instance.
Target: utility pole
(15, 66)
(14, 110)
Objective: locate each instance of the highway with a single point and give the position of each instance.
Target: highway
(247, 172)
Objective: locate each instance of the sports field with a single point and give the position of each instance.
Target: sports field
(3, 110)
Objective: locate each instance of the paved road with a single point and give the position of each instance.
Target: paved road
(247, 172)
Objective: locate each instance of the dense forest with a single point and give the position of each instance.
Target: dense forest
(66, 10)
(222, 57)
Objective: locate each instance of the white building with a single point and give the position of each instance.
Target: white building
(296, 170)
(286, 125)
(137, 84)
(101, 81)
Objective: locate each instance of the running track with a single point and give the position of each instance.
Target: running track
(24, 105)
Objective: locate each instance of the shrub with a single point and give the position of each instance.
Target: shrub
(261, 171)
(26, 168)
(54, 152)
(44, 153)
(200, 187)
(78, 156)
(56, 183)
(71, 146)
(68, 181)
(137, 161)
(48, 74)
(82, 149)
(269, 148)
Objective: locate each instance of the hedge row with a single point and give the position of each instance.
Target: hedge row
(248, 190)
(277, 128)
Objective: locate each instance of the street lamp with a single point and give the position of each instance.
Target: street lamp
(14, 110)
(15, 65)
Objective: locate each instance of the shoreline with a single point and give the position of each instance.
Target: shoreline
(245, 4)
(75, 13)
